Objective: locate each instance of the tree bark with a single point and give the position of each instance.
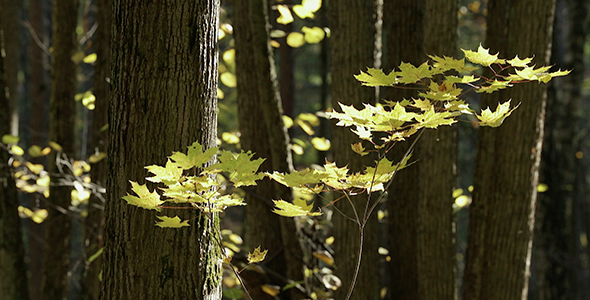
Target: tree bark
(61, 130)
(9, 21)
(164, 76)
(352, 46)
(555, 249)
(259, 115)
(421, 229)
(13, 272)
(502, 213)
(93, 235)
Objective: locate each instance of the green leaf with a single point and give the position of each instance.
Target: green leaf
(517, 62)
(90, 58)
(256, 256)
(445, 63)
(482, 57)
(96, 255)
(9, 139)
(321, 144)
(493, 86)
(410, 74)
(433, 119)
(359, 149)
(307, 8)
(167, 175)
(241, 168)
(495, 119)
(376, 77)
(286, 209)
(285, 16)
(167, 222)
(94, 158)
(145, 198)
(313, 35)
(195, 156)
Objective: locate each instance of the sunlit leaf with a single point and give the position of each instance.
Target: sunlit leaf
(482, 57)
(313, 35)
(228, 79)
(16, 150)
(90, 58)
(167, 222)
(495, 119)
(287, 209)
(145, 198)
(295, 39)
(195, 156)
(94, 158)
(9, 139)
(285, 16)
(230, 138)
(321, 144)
(256, 256)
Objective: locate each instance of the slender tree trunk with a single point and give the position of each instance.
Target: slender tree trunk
(164, 76)
(259, 114)
(353, 25)
(93, 240)
(420, 205)
(39, 134)
(9, 22)
(556, 239)
(13, 272)
(502, 214)
(61, 130)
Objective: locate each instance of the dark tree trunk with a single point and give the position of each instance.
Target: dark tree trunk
(556, 242)
(164, 77)
(93, 239)
(420, 205)
(502, 214)
(13, 272)
(259, 114)
(352, 46)
(61, 130)
(10, 24)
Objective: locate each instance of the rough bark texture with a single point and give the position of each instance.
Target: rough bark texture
(93, 229)
(353, 25)
(164, 77)
(9, 21)
(62, 116)
(259, 114)
(13, 272)
(420, 204)
(507, 164)
(556, 238)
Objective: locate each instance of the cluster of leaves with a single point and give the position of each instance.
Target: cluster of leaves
(201, 189)
(34, 178)
(309, 35)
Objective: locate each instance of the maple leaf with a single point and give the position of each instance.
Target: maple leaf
(445, 63)
(195, 156)
(482, 57)
(145, 198)
(359, 149)
(433, 119)
(241, 168)
(167, 222)
(167, 175)
(376, 77)
(494, 86)
(362, 132)
(442, 92)
(517, 62)
(410, 74)
(460, 106)
(495, 119)
(286, 209)
(463, 79)
(256, 256)
(422, 104)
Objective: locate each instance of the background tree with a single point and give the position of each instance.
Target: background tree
(557, 244)
(259, 115)
(506, 174)
(13, 271)
(93, 236)
(61, 131)
(164, 77)
(352, 48)
(420, 203)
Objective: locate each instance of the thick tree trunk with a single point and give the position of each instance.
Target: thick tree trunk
(164, 76)
(502, 214)
(556, 258)
(93, 239)
(61, 130)
(353, 25)
(13, 272)
(259, 114)
(420, 205)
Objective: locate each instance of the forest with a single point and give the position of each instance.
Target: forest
(294, 149)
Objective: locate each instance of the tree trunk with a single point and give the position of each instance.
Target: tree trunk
(39, 132)
(9, 22)
(164, 77)
(353, 25)
(507, 165)
(13, 272)
(93, 240)
(259, 115)
(61, 130)
(556, 239)
(420, 206)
